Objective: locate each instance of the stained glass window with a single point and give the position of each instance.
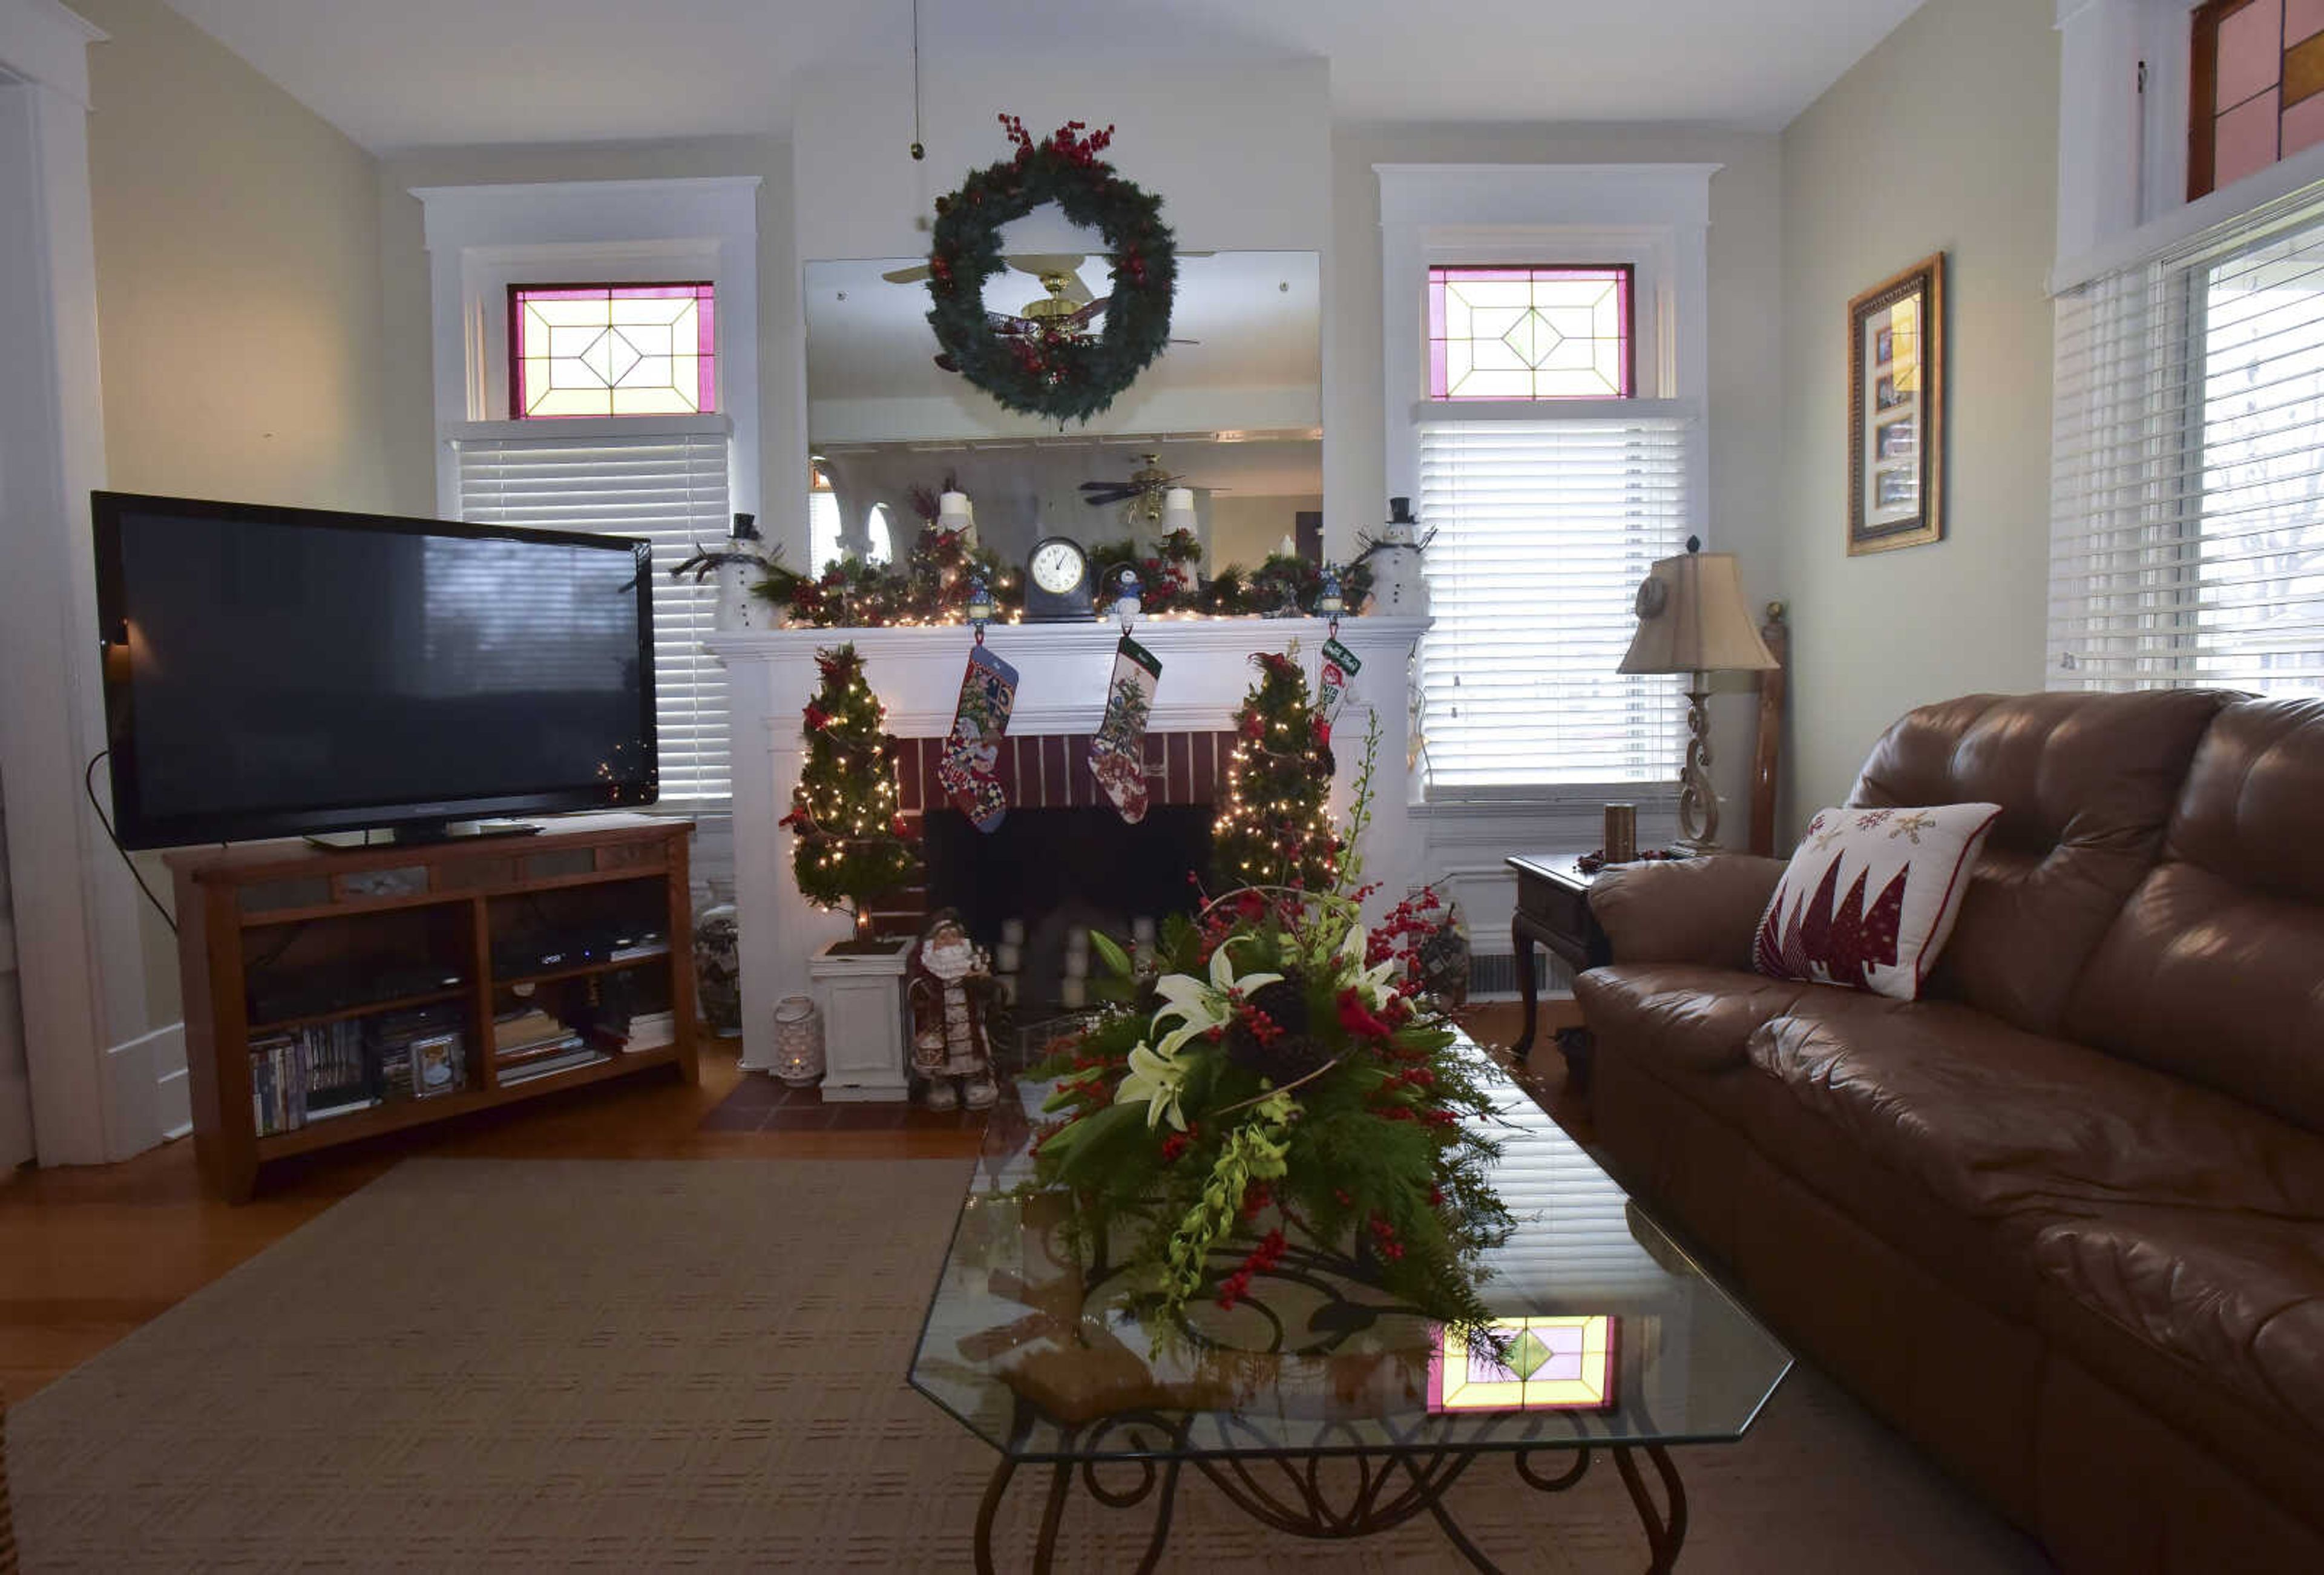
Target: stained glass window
(1545, 1364)
(1529, 333)
(611, 350)
(2256, 87)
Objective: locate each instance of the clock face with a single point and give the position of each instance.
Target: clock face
(1057, 567)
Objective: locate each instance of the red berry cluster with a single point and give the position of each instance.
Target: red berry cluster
(1263, 1028)
(1175, 1147)
(1385, 1234)
(1263, 1258)
(1400, 933)
(1066, 142)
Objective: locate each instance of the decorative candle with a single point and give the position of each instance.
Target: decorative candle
(1012, 931)
(1008, 959)
(955, 512)
(1073, 993)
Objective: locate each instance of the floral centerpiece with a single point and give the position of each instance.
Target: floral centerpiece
(1264, 1081)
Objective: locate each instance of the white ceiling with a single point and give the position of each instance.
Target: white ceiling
(401, 74)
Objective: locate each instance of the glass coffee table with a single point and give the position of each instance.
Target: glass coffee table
(1318, 1406)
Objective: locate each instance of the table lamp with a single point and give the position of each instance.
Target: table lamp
(1692, 620)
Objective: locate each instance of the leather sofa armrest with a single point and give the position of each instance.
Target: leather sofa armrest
(1689, 910)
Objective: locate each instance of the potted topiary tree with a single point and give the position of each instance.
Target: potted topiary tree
(853, 846)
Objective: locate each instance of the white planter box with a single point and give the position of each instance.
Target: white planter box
(862, 1000)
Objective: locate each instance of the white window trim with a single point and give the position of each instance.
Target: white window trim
(1655, 217)
(2121, 149)
(481, 239)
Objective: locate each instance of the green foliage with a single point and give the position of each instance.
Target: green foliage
(1379, 1157)
(930, 585)
(851, 845)
(1274, 828)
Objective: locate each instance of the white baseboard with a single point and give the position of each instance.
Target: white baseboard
(149, 1102)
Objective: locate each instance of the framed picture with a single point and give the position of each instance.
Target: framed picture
(1896, 410)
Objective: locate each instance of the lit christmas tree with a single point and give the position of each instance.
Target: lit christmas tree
(852, 842)
(1274, 828)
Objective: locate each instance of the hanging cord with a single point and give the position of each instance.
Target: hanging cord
(919, 149)
(88, 785)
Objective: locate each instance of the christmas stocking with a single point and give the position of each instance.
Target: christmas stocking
(1118, 753)
(971, 751)
(1340, 665)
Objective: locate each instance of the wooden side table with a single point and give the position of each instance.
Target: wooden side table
(1553, 909)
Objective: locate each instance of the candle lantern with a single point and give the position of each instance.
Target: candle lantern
(799, 1041)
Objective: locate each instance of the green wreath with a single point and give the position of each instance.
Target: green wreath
(1054, 371)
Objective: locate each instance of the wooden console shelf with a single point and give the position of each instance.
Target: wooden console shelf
(277, 939)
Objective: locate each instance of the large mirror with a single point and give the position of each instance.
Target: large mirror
(1230, 410)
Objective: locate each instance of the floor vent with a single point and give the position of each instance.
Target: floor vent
(1495, 974)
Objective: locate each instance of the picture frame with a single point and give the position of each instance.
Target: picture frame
(1896, 410)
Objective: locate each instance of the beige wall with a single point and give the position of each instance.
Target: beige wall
(238, 296)
(237, 272)
(401, 267)
(1943, 138)
(1745, 349)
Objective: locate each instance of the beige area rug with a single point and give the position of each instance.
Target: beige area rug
(480, 1364)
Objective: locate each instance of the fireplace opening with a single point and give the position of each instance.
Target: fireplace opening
(1057, 870)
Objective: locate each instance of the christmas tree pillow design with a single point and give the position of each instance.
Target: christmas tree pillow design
(1871, 896)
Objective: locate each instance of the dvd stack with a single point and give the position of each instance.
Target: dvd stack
(308, 1075)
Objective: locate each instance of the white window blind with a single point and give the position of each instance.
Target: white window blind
(668, 484)
(1544, 529)
(2187, 485)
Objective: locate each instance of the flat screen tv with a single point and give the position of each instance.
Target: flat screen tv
(272, 672)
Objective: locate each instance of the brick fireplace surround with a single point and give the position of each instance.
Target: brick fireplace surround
(1061, 694)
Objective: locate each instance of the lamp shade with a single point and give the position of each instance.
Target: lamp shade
(1692, 618)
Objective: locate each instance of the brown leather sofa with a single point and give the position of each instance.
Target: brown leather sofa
(2061, 1221)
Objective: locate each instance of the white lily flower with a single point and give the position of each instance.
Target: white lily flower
(1157, 1080)
(1201, 1005)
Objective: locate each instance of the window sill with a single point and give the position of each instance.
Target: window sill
(1562, 798)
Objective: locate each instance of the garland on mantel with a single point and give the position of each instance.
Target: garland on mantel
(931, 585)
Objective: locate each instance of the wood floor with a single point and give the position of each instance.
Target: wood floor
(88, 1254)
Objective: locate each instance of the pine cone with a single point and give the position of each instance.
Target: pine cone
(1283, 1057)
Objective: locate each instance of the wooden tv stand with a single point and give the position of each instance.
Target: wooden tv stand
(276, 939)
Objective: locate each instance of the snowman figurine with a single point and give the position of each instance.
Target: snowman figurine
(1398, 587)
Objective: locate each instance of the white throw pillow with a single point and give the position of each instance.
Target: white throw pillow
(1871, 895)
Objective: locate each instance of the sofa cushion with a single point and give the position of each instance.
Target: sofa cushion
(1996, 1121)
(2239, 1299)
(2215, 968)
(1682, 1016)
(1902, 872)
(2086, 783)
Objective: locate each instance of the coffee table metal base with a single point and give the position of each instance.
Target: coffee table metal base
(1288, 1492)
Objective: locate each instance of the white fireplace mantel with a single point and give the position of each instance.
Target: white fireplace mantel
(1063, 672)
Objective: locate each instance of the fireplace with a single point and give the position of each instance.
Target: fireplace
(916, 674)
(1053, 870)
(1041, 774)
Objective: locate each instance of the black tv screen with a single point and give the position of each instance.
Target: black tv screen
(275, 671)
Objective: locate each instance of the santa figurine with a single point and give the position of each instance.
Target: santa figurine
(951, 982)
